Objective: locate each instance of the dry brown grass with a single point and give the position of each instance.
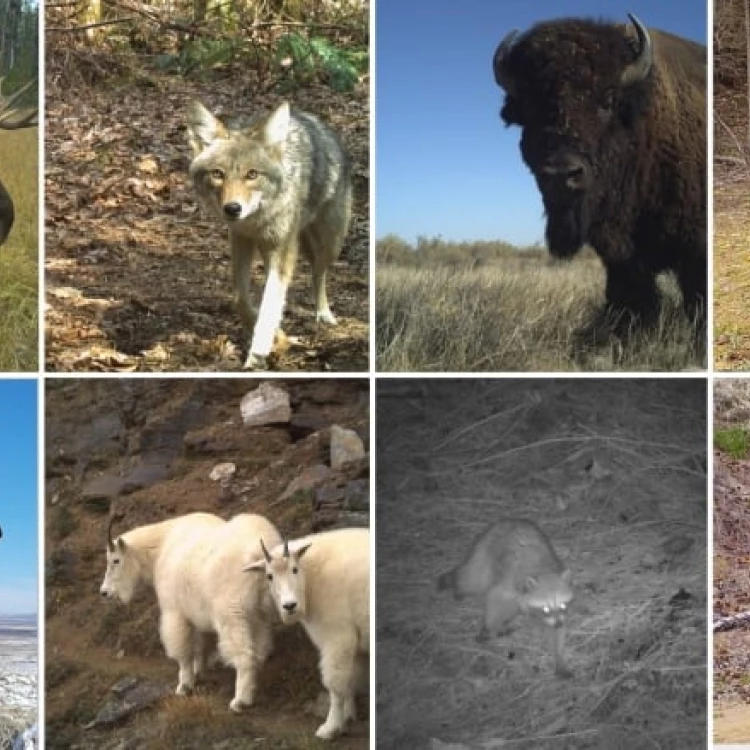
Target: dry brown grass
(731, 401)
(19, 294)
(515, 317)
(13, 721)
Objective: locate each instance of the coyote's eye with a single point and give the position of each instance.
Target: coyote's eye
(217, 174)
(294, 570)
(252, 174)
(270, 576)
(546, 609)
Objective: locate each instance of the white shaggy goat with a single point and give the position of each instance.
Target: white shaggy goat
(323, 581)
(195, 562)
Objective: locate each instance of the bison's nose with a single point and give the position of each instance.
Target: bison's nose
(290, 607)
(570, 170)
(232, 210)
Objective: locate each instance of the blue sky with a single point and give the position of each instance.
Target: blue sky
(18, 505)
(446, 164)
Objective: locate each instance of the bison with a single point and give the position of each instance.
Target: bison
(613, 128)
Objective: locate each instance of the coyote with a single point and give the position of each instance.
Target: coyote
(513, 565)
(282, 184)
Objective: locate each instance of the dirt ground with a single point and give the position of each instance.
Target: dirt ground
(170, 434)
(731, 578)
(138, 279)
(615, 473)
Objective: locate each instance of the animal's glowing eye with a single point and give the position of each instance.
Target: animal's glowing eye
(217, 174)
(252, 174)
(546, 609)
(563, 606)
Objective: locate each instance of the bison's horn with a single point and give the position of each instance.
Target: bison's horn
(110, 541)
(502, 76)
(641, 66)
(265, 551)
(286, 548)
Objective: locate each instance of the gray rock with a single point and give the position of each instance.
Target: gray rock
(129, 696)
(346, 446)
(347, 520)
(357, 495)
(267, 404)
(222, 472)
(307, 480)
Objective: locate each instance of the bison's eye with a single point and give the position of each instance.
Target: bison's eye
(607, 104)
(252, 174)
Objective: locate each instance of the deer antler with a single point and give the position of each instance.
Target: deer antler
(15, 118)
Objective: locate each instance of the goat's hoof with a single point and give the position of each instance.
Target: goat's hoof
(238, 705)
(326, 732)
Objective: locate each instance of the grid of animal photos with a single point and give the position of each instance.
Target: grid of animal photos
(510, 364)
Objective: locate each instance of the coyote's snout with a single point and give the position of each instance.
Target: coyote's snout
(282, 185)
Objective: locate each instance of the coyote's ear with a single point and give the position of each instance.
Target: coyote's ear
(203, 127)
(276, 127)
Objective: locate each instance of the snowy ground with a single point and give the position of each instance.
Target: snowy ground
(18, 675)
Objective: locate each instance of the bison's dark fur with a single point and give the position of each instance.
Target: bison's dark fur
(613, 121)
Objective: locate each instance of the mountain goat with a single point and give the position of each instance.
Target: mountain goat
(323, 581)
(195, 563)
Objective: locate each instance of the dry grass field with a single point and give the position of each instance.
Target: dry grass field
(512, 315)
(19, 295)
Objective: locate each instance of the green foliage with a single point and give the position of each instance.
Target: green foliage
(316, 58)
(733, 440)
(202, 54)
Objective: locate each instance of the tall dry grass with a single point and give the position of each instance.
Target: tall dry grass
(19, 257)
(510, 317)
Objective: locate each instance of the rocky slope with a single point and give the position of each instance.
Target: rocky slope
(145, 450)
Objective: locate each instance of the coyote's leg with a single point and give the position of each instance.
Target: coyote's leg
(279, 269)
(242, 264)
